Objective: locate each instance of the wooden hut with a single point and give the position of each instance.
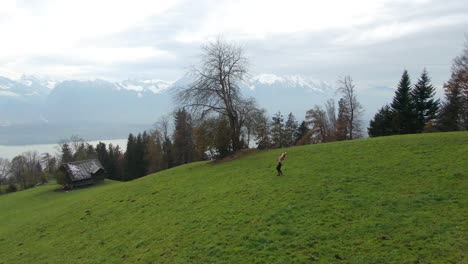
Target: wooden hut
(85, 172)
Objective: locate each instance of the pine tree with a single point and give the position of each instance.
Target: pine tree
(130, 170)
(67, 155)
(111, 167)
(80, 152)
(117, 164)
(301, 131)
(425, 104)
(183, 138)
(290, 128)
(153, 154)
(103, 156)
(403, 106)
(382, 123)
(90, 152)
(140, 162)
(167, 153)
(454, 111)
(451, 110)
(277, 131)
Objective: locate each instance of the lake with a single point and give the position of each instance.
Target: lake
(10, 152)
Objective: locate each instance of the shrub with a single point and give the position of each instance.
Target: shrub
(11, 188)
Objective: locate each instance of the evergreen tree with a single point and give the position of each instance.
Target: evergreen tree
(454, 111)
(425, 104)
(111, 167)
(130, 167)
(67, 155)
(183, 138)
(290, 128)
(117, 163)
(167, 153)
(90, 152)
(450, 113)
(153, 154)
(140, 162)
(277, 131)
(103, 156)
(301, 131)
(342, 122)
(81, 152)
(404, 107)
(382, 123)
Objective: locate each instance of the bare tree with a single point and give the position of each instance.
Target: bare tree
(330, 111)
(48, 162)
(18, 170)
(216, 87)
(4, 170)
(34, 171)
(261, 129)
(316, 118)
(163, 125)
(248, 111)
(348, 91)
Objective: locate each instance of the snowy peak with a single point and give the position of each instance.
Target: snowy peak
(155, 86)
(25, 88)
(38, 82)
(291, 81)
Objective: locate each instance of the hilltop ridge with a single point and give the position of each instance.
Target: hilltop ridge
(398, 199)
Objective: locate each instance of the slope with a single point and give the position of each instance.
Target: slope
(401, 199)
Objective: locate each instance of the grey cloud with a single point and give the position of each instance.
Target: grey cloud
(313, 54)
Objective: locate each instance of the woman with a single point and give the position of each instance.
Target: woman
(280, 163)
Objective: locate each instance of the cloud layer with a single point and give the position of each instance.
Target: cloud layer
(372, 40)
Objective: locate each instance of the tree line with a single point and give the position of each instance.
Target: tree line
(25, 171)
(214, 119)
(415, 109)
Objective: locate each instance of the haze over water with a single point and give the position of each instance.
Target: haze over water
(10, 152)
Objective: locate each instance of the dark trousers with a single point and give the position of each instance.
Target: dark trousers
(278, 168)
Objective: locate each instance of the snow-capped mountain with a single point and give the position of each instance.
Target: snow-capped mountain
(21, 89)
(91, 107)
(35, 99)
(288, 93)
(40, 83)
(155, 86)
(290, 81)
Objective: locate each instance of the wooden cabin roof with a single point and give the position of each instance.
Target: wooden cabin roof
(82, 170)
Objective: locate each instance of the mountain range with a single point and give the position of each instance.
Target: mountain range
(40, 110)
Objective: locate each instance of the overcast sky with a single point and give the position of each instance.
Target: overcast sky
(372, 40)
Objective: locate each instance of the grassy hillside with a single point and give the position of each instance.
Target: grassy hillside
(401, 199)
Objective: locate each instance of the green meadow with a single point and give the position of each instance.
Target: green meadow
(399, 199)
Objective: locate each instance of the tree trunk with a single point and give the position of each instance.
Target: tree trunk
(235, 133)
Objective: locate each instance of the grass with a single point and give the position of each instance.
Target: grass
(401, 199)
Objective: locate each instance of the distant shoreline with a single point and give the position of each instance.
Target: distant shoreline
(10, 151)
